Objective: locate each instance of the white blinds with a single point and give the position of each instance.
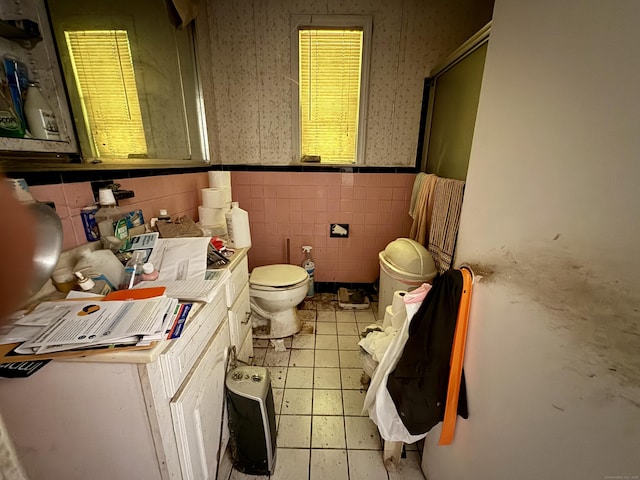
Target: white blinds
(330, 63)
(103, 70)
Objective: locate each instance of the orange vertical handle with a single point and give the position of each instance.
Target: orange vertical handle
(457, 359)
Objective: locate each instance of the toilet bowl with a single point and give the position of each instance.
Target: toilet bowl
(275, 291)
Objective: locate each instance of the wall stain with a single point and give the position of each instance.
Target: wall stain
(599, 312)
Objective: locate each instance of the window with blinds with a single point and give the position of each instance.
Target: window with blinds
(104, 74)
(330, 61)
(330, 69)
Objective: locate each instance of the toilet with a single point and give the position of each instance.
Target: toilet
(275, 291)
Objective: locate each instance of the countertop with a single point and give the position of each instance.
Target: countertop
(150, 355)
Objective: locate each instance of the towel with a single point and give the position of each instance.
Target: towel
(423, 210)
(417, 185)
(443, 230)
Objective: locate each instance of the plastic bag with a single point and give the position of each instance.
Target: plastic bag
(378, 402)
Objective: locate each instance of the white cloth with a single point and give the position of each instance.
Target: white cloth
(378, 402)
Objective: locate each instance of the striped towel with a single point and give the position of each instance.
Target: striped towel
(445, 221)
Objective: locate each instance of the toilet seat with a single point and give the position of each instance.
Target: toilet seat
(276, 277)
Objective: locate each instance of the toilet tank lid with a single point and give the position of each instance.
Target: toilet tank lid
(277, 275)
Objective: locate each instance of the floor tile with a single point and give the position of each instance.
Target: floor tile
(327, 358)
(327, 432)
(326, 342)
(353, 401)
(345, 316)
(276, 359)
(307, 305)
(362, 433)
(326, 306)
(260, 343)
(326, 316)
(304, 342)
(350, 359)
(278, 376)
(258, 356)
(409, 468)
(292, 463)
(307, 315)
(327, 402)
(365, 317)
(328, 297)
(296, 401)
(326, 378)
(326, 328)
(294, 431)
(366, 465)
(301, 358)
(278, 393)
(329, 465)
(348, 342)
(351, 378)
(300, 377)
(347, 328)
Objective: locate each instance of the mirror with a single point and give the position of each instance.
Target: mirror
(131, 80)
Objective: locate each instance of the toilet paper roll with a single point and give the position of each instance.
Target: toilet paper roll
(388, 315)
(216, 197)
(397, 305)
(398, 319)
(211, 216)
(219, 179)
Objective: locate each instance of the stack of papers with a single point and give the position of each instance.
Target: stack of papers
(70, 325)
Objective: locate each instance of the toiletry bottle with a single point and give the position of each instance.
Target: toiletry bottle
(238, 227)
(100, 265)
(107, 215)
(309, 265)
(133, 270)
(99, 287)
(40, 118)
(149, 273)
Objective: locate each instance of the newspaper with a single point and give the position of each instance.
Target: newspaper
(86, 324)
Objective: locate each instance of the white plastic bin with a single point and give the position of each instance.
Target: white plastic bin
(404, 265)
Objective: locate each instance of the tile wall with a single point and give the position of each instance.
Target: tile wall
(298, 206)
(179, 194)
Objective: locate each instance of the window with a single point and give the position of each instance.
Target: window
(104, 74)
(330, 59)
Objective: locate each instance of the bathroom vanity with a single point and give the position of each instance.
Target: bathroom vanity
(147, 414)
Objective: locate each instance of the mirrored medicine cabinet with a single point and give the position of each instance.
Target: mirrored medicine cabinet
(131, 81)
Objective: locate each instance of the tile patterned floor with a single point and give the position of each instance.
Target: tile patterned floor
(318, 397)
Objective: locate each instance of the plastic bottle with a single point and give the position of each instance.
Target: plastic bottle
(99, 287)
(133, 270)
(310, 266)
(238, 226)
(107, 215)
(100, 265)
(149, 273)
(41, 121)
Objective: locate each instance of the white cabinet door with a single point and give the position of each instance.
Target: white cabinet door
(197, 411)
(240, 317)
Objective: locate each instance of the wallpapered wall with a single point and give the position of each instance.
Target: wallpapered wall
(251, 73)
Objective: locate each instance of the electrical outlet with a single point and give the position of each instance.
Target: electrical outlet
(340, 230)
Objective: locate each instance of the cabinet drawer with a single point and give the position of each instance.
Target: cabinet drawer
(180, 357)
(240, 317)
(239, 278)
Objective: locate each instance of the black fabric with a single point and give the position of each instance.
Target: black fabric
(418, 385)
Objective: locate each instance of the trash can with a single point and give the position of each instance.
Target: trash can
(404, 265)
